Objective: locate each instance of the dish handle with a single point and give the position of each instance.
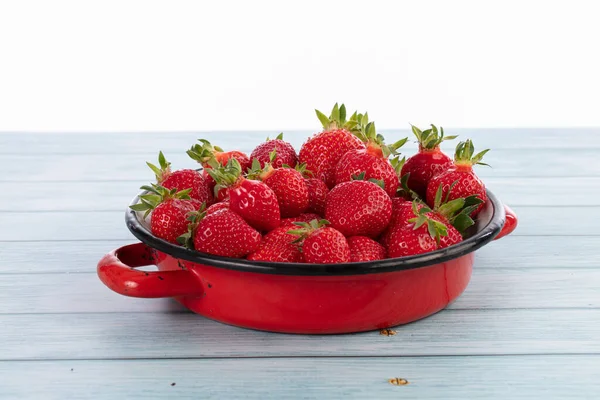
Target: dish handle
(510, 223)
(117, 270)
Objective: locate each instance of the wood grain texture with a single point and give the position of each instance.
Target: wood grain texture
(497, 288)
(510, 377)
(132, 167)
(132, 143)
(517, 252)
(110, 225)
(86, 196)
(185, 335)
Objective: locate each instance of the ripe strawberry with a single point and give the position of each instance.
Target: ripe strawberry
(373, 160)
(322, 152)
(363, 248)
(358, 208)
(304, 217)
(222, 233)
(460, 181)
(427, 231)
(284, 153)
(317, 191)
(181, 180)
(288, 185)
(169, 211)
(277, 246)
(205, 152)
(252, 200)
(224, 205)
(321, 245)
(429, 161)
(402, 211)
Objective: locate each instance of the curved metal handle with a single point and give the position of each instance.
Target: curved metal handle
(510, 224)
(117, 271)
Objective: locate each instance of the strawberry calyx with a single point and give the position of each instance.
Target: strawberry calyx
(225, 176)
(337, 119)
(374, 141)
(456, 211)
(306, 173)
(187, 239)
(260, 174)
(306, 228)
(163, 170)
(436, 229)
(464, 155)
(279, 137)
(156, 194)
(204, 152)
(430, 139)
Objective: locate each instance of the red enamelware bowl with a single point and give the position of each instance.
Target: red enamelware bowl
(301, 298)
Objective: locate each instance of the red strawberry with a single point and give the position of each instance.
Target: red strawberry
(277, 246)
(358, 208)
(252, 200)
(205, 152)
(402, 211)
(170, 209)
(317, 191)
(429, 161)
(425, 232)
(363, 248)
(304, 217)
(287, 184)
(181, 180)
(222, 233)
(322, 152)
(321, 245)
(460, 181)
(284, 153)
(373, 160)
(224, 205)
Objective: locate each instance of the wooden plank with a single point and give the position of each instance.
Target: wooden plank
(151, 142)
(132, 167)
(94, 196)
(60, 225)
(489, 289)
(518, 252)
(184, 335)
(513, 377)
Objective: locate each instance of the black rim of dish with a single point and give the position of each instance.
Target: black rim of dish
(469, 245)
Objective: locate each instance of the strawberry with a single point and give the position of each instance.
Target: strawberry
(429, 161)
(304, 217)
(358, 208)
(322, 152)
(181, 180)
(373, 160)
(205, 152)
(222, 233)
(285, 153)
(217, 206)
(320, 244)
(317, 191)
(363, 248)
(277, 246)
(169, 210)
(402, 211)
(288, 185)
(460, 181)
(252, 200)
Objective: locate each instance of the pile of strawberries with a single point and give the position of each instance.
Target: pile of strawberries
(345, 197)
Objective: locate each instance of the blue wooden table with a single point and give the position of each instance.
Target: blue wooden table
(528, 325)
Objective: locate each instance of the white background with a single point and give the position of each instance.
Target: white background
(204, 65)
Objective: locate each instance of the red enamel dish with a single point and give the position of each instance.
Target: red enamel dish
(301, 298)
